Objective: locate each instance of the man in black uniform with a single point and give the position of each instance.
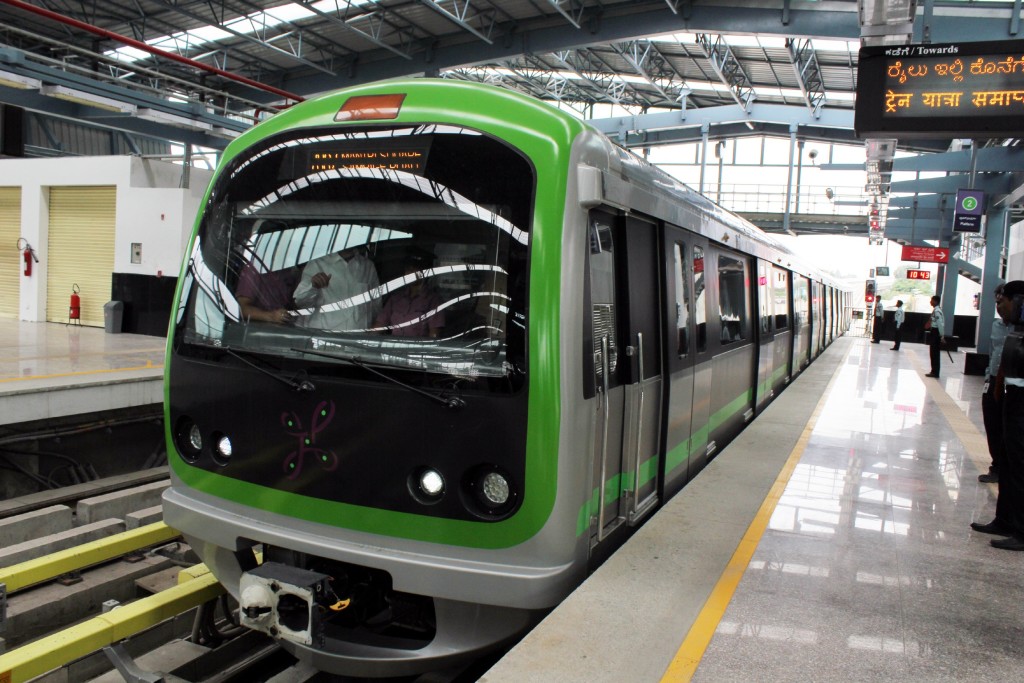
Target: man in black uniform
(1011, 482)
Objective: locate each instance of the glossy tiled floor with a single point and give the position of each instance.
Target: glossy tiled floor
(868, 570)
(35, 351)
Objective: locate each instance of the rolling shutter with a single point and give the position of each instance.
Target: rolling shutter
(10, 256)
(81, 251)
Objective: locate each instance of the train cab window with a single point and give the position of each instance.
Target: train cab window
(314, 251)
(700, 301)
(732, 299)
(780, 296)
(682, 295)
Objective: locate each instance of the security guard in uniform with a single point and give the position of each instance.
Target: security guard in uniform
(1011, 482)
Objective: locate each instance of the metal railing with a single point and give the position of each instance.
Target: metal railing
(771, 198)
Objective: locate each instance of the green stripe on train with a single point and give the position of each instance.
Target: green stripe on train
(678, 456)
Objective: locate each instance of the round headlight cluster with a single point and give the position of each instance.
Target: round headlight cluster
(487, 491)
(191, 443)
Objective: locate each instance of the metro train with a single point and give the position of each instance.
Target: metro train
(437, 348)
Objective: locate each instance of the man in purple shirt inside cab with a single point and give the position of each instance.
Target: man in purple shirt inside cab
(412, 310)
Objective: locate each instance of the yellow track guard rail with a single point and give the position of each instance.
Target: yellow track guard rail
(31, 572)
(196, 586)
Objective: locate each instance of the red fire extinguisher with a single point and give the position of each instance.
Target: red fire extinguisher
(75, 309)
(29, 254)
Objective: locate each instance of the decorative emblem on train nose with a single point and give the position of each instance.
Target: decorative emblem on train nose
(307, 448)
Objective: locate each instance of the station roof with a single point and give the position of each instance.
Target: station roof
(200, 71)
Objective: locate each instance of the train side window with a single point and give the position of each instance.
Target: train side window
(764, 299)
(780, 294)
(700, 301)
(602, 294)
(682, 295)
(732, 299)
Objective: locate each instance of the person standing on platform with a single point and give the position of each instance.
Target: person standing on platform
(935, 325)
(898, 316)
(1009, 519)
(876, 334)
(991, 407)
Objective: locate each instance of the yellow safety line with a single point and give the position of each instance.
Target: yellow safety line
(56, 650)
(688, 656)
(148, 366)
(119, 352)
(35, 571)
(974, 442)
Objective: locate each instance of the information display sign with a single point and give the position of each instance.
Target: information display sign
(969, 211)
(919, 275)
(957, 89)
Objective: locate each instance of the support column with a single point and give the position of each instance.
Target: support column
(995, 228)
(704, 129)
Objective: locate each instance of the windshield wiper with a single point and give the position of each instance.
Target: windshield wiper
(452, 402)
(297, 385)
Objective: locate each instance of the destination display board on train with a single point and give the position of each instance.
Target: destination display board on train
(955, 89)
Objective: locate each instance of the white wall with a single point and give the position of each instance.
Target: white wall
(1015, 251)
(152, 210)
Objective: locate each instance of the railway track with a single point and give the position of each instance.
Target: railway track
(92, 590)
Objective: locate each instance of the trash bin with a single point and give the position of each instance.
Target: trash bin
(113, 313)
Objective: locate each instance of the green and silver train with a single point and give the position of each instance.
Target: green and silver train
(437, 348)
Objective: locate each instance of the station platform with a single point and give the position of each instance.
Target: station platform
(52, 370)
(830, 541)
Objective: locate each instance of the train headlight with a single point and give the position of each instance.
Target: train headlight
(432, 483)
(189, 439)
(489, 492)
(494, 488)
(222, 449)
(195, 438)
(427, 485)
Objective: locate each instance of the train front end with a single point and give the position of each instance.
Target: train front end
(363, 376)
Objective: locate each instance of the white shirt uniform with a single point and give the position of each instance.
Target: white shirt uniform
(350, 301)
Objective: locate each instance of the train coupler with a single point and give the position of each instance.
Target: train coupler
(286, 602)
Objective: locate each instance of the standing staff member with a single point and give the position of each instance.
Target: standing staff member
(935, 326)
(876, 333)
(1010, 503)
(991, 405)
(898, 315)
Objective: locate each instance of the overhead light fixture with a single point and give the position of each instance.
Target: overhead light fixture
(87, 98)
(175, 120)
(18, 81)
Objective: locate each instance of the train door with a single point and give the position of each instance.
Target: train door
(765, 337)
(801, 321)
(625, 303)
(783, 361)
(687, 357)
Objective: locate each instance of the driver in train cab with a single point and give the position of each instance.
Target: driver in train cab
(341, 290)
(412, 311)
(264, 295)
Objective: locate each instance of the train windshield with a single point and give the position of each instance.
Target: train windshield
(403, 246)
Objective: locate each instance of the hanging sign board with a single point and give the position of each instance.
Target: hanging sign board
(969, 211)
(929, 254)
(973, 89)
